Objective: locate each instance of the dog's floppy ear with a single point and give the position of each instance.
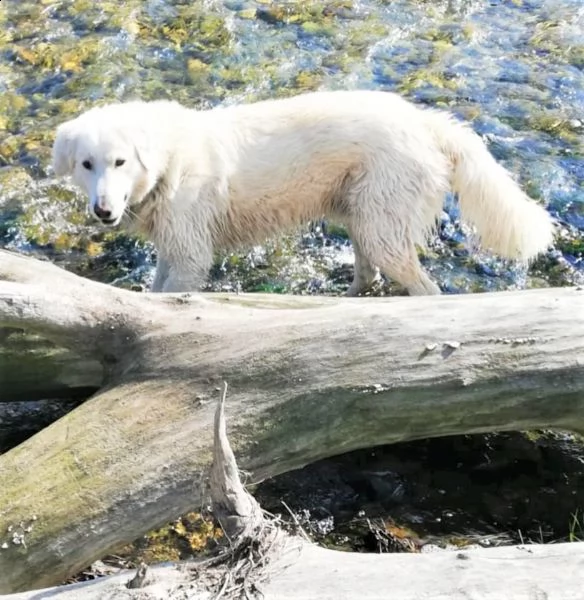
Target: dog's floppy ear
(64, 148)
(144, 147)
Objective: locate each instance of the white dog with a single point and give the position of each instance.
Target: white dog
(194, 181)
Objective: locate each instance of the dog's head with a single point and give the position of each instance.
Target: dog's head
(110, 155)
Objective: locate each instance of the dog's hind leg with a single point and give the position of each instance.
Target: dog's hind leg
(386, 238)
(391, 210)
(365, 272)
(404, 267)
(398, 261)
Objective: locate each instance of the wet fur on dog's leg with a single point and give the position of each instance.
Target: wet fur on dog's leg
(161, 275)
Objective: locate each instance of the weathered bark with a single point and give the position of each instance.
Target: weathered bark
(308, 377)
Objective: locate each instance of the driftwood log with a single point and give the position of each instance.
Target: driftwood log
(307, 572)
(260, 560)
(309, 378)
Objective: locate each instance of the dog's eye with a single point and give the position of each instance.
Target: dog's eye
(87, 164)
(120, 162)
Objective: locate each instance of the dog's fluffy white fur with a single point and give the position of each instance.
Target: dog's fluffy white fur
(194, 181)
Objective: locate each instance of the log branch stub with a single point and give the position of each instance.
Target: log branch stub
(236, 510)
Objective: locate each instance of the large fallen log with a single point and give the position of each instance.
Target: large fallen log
(307, 572)
(309, 378)
(259, 557)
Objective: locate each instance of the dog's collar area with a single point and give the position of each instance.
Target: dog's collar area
(141, 215)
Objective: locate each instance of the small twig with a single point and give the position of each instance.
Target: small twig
(139, 580)
(222, 589)
(296, 521)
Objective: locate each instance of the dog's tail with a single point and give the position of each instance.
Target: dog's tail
(507, 221)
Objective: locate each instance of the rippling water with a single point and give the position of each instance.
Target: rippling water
(513, 68)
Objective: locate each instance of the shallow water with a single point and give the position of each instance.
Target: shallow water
(450, 492)
(514, 69)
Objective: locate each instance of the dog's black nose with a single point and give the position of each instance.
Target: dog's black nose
(102, 213)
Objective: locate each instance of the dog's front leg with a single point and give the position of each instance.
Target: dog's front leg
(188, 243)
(188, 273)
(184, 279)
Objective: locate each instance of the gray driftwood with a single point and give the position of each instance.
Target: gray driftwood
(307, 572)
(262, 561)
(309, 378)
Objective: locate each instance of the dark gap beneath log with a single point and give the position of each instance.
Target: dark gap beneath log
(20, 420)
(33, 368)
